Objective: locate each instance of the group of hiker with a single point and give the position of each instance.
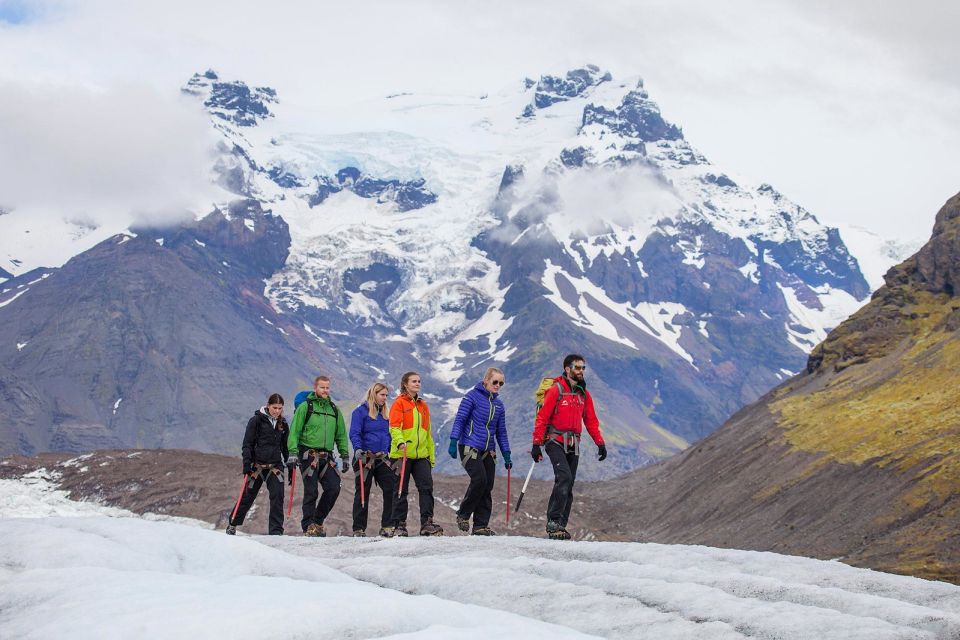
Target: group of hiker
(392, 447)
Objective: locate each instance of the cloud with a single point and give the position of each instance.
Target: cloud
(587, 201)
(846, 108)
(102, 156)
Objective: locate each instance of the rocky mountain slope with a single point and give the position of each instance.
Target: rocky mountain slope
(439, 233)
(857, 458)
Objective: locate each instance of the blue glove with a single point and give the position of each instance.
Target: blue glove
(506, 460)
(452, 449)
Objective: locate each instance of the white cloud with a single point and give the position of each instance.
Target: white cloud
(851, 117)
(99, 155)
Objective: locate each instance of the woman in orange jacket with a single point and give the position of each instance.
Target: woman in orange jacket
(411, 438)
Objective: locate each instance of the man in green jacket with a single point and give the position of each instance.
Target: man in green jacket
(316, 426)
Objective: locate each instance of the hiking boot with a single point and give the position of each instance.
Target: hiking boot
(400, 531)
(484, 531)
(430, 528)
(556, 531)
(315, 531)
(463, 524)
(359, 533)
(231, 530)
(386, 532)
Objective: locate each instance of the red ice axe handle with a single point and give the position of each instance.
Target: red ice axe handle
(403, 470)
(243, 489)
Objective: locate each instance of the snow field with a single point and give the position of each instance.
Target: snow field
(101, 573)
(629, 590)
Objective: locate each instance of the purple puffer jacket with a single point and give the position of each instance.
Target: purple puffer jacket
(480, 420)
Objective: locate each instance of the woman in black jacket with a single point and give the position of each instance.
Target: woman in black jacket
(264, 455)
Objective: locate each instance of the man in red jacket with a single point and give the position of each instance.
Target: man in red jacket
(567, 408)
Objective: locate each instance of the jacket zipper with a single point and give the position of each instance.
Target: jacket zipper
(420, 426)
(486, 445)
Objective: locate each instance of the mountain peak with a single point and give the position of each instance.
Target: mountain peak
(232, 101)
(921, 289)
(936, 267)
(553, 89)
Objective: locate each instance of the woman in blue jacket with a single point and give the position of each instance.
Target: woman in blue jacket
(480, 425)
(370, 437)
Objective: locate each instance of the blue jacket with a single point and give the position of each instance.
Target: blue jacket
(369, 434)
(480, 419)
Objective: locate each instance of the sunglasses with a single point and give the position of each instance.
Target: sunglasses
(579, 367)
(497, 383)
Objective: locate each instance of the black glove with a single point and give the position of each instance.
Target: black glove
(602, 452)
(536, 453)
(344, 465)
(247, 468)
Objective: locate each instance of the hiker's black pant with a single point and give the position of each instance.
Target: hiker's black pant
(565, 474)
(478, 501)
(314, 511)
(386, 479)
(275, 487)
(419, 471)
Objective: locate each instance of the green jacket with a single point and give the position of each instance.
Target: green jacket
(325, 428)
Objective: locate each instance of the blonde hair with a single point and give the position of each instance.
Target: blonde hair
(492, 371)
(372, 392)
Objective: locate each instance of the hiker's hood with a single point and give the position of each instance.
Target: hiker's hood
(263, 411)
(483, 390)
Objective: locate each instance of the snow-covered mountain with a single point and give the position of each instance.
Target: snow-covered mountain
(157, 579)
(876, 254)
(450, 233)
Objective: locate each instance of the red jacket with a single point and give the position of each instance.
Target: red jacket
(569, 412)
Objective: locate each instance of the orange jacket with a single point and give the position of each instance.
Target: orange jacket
(403, 428)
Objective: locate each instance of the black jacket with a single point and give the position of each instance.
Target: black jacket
(263, 443)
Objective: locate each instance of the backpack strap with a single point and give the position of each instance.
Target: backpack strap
(309, 412)
(571, 441)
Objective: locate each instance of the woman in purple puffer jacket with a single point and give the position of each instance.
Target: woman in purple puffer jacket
(480, 425)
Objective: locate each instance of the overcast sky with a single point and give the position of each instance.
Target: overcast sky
(850, 109)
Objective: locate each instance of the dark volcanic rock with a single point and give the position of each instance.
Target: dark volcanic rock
(877, 329)
(408, 195)
(232, 101)
(853, 459)
(637, 116)
(161, 340)
(553, 89)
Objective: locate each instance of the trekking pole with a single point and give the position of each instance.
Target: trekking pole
(403, 468)
(524, 489)
(243, 489)
(363, 502)
(508, 496)
(293, 488)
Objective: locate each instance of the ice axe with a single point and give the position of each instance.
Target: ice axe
(508, 496)
(243, 489)
(524, 489)
(363, 501)
(403, 469)
(293, 488)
